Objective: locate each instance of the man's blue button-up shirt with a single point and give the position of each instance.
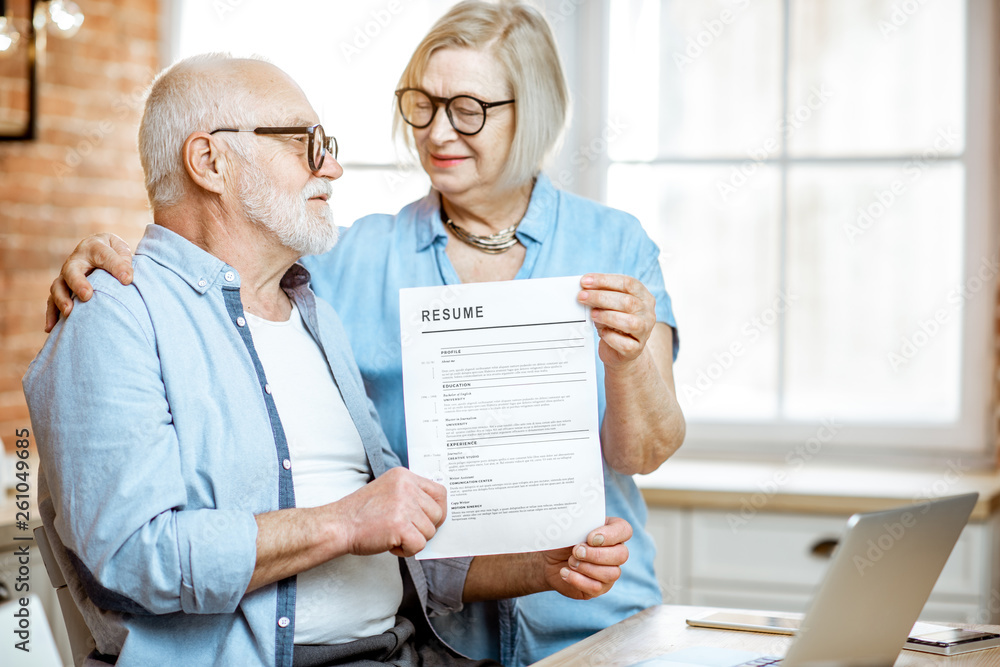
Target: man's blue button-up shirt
(159, 445)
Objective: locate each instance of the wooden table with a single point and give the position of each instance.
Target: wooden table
(660, 629)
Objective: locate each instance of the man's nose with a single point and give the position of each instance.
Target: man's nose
(330, 169)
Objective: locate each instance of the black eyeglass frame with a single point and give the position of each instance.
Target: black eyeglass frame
(310, 131)
(446, 102)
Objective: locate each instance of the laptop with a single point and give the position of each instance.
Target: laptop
(877, 583)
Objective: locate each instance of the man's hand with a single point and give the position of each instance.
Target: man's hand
(100, 251)
(587, 570)
(398, 513)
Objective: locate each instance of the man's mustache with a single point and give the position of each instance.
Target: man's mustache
(317, 187)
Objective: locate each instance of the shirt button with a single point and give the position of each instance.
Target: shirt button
(286, 464)
(202, 282)
(240, 321)
(230, 276)
(267, 388)
(283, 622)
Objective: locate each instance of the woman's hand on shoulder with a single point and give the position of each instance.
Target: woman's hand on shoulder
(99, 251)
(624, 312)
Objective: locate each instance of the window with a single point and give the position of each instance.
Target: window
(348, 57)
(817, 174)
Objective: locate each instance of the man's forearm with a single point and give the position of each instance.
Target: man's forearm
(505, 576)
(292, 541)
(397, 512)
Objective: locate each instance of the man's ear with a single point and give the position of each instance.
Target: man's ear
(204, 162)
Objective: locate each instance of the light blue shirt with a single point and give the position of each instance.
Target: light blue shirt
(159, 442)
(564, 235)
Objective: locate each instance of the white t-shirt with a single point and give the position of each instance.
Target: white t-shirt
(349, 597)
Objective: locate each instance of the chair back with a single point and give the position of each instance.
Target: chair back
(81, 641)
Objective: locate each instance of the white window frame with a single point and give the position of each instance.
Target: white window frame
(581, 28)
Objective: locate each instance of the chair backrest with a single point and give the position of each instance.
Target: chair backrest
(81, 641)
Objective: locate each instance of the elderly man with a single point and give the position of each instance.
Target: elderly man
(213, 473)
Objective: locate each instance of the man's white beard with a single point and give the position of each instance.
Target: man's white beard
(287, 215)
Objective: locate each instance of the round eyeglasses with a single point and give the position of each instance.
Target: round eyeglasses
(319, 144)
(465, 113)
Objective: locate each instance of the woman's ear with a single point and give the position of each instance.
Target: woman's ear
(204, 162)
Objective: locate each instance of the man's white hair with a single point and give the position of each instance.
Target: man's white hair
(193, 94)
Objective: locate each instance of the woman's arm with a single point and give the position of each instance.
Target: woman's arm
(643, 424)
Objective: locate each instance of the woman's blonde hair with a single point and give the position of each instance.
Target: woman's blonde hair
(520, 38)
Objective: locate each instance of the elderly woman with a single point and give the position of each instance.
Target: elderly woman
(483, 102)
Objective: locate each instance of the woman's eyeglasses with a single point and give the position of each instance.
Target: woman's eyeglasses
(465, 113)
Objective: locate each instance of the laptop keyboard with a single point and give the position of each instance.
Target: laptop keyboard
(761, 662)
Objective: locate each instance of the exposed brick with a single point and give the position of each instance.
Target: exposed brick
(81, 176)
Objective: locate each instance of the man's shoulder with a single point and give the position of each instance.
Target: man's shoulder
(109, 293)
(112, 323)
(115, 307)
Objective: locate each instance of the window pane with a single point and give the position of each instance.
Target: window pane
(347, 56)
(721, 270)
(875, 262)
(875, 76)
(694, 77)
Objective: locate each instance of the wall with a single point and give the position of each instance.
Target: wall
(80, 176)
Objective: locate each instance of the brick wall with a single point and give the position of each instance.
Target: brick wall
(80, 176)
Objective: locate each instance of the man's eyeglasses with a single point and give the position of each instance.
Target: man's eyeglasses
(319, 143)
(466, 113)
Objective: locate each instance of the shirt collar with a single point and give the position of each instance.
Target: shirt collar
(198, 268)
(536, 224)
(540, 217)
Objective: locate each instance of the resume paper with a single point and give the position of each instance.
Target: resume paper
(500, 393)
